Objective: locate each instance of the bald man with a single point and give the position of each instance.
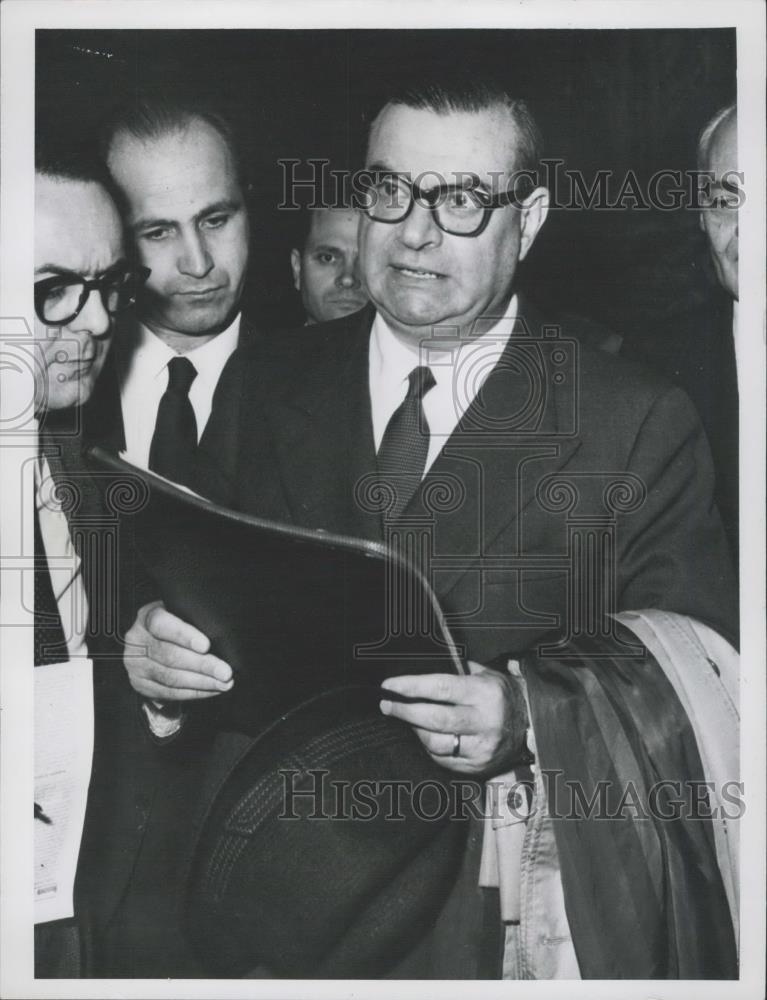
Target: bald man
(718, 158)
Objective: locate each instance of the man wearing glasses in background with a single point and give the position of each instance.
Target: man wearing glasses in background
(459, 422)
(82, 281)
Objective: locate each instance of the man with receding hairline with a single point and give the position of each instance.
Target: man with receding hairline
(176, 167)
(460, 422)
(702, 352)
(718, 159)
(177, 170)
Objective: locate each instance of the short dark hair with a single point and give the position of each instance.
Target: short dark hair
(467, 92)
(70, 164)
(301, 228)
(304, 221)
(149, 115)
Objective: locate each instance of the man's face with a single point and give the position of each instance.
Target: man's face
(417, 275)
(77, 232)
(720, 223)
(187, 216)
(326, 273)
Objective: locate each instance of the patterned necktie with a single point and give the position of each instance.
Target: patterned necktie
(175, 435)
(49, 642)
(405, 445)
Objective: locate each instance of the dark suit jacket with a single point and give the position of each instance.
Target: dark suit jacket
(695, 350)
(103, 412)
(564, 450)
(558, 433)
(142, 935)
(121, 790)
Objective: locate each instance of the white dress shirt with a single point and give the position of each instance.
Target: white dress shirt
(142, 366)
(459, 365)
(63, 562)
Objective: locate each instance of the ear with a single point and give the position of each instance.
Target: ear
(295, 265)
(534, 210)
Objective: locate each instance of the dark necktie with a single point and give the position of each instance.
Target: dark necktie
(49, 641)
(175, 434)
(405, 445)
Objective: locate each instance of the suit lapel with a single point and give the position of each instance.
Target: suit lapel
(62, 445)
(517, 430)
(217, 455)
(116, 719)
(326, 423)
(87, 518)
(102, 414)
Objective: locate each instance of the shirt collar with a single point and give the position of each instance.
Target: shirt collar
(392, 359)
(209, 360)
(144, 355)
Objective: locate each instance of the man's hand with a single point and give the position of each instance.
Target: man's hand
(486, 709)
(168, 659)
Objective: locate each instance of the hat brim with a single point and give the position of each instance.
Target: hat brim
(329, 849)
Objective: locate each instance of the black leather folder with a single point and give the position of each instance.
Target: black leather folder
(294, 611)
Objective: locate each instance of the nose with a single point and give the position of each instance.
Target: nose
(348, 276)
(93, 319)
(419, 230)
(195, 261)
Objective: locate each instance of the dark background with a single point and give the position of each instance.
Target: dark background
(611, 99)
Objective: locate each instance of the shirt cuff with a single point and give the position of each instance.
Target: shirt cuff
(165, 718)
(529, 749)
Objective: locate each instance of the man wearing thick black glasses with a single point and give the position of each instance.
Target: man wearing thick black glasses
(542, 487)
(82, 281)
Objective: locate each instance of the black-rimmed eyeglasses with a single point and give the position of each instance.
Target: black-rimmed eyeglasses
(458, 209)
(60, 299)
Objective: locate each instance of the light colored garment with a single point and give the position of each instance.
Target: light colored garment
(705, 672)
(519, 853)
(64, 564)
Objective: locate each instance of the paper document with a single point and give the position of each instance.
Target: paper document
(63, 758)
(294, 611)
(125, 457)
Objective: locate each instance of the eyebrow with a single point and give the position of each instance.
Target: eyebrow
(315, 247)
(65, 272)
(225, 205)
(464, 174)
(382, 167)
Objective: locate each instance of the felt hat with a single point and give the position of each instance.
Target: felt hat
(329, 848)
